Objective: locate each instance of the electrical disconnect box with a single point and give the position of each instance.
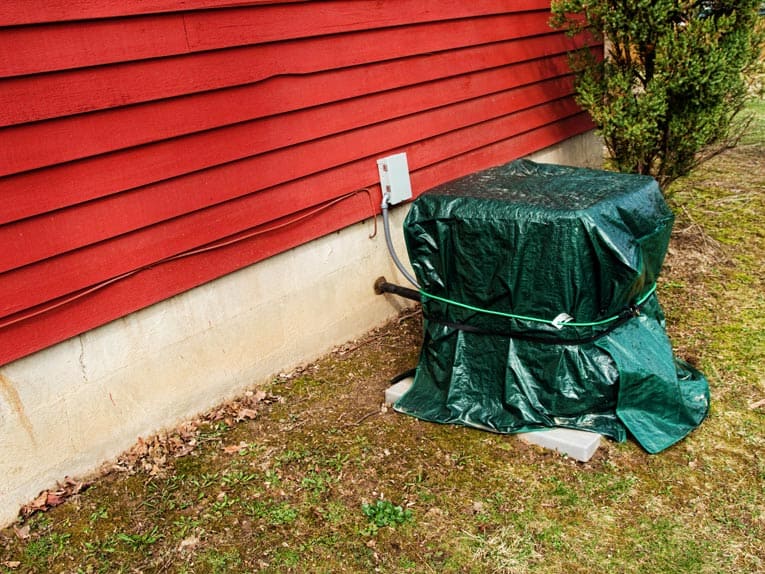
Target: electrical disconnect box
(394, 178)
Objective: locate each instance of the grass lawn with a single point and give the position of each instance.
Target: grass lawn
(313, 476)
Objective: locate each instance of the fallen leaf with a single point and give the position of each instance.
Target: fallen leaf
(188, 543)
(55, 498)
(12, 564)
(234, 448)
(246, 414)
(39, 502)
(22, 532)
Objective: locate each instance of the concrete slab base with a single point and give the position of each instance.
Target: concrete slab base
(579, 445)
(395, 392)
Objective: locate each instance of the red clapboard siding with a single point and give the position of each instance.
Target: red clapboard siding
(89, 265)
(56, 94)
(158, 283)
(76, 45)
(32, 239)
(107, 174)
(59, 141)
(61, 94)
(135, 133)
(15, 12)
(144, 288)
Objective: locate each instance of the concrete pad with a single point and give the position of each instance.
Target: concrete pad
(395, 392)
(577, 444)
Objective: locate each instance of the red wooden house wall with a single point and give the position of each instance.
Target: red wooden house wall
(149, 146)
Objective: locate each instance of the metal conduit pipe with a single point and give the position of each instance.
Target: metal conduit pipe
(382, 286)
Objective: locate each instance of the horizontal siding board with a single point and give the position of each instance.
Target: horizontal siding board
(72, 45)
(59, 94)
(87, 266)
(34, 239)
(239, 27)
(20, 12)
(51, 47)
(542, 120)
(561, 126)
(163, 281)
(59, 141)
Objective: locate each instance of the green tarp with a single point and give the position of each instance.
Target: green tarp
(538, 295)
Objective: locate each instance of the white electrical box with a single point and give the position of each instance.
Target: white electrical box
(394, 178)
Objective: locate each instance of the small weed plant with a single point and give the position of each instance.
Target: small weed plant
(136, 541)
(384, 513)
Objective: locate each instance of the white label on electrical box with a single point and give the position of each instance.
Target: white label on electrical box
(394, 178)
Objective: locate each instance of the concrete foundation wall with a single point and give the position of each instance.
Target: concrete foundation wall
(69, 408)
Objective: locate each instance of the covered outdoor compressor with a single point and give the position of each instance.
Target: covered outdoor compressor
(538, 286)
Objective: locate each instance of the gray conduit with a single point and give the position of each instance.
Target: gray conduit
(391, 250)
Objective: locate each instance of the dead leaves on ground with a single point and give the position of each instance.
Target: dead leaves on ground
(235, 448)
(151, 455)
(50, 499)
